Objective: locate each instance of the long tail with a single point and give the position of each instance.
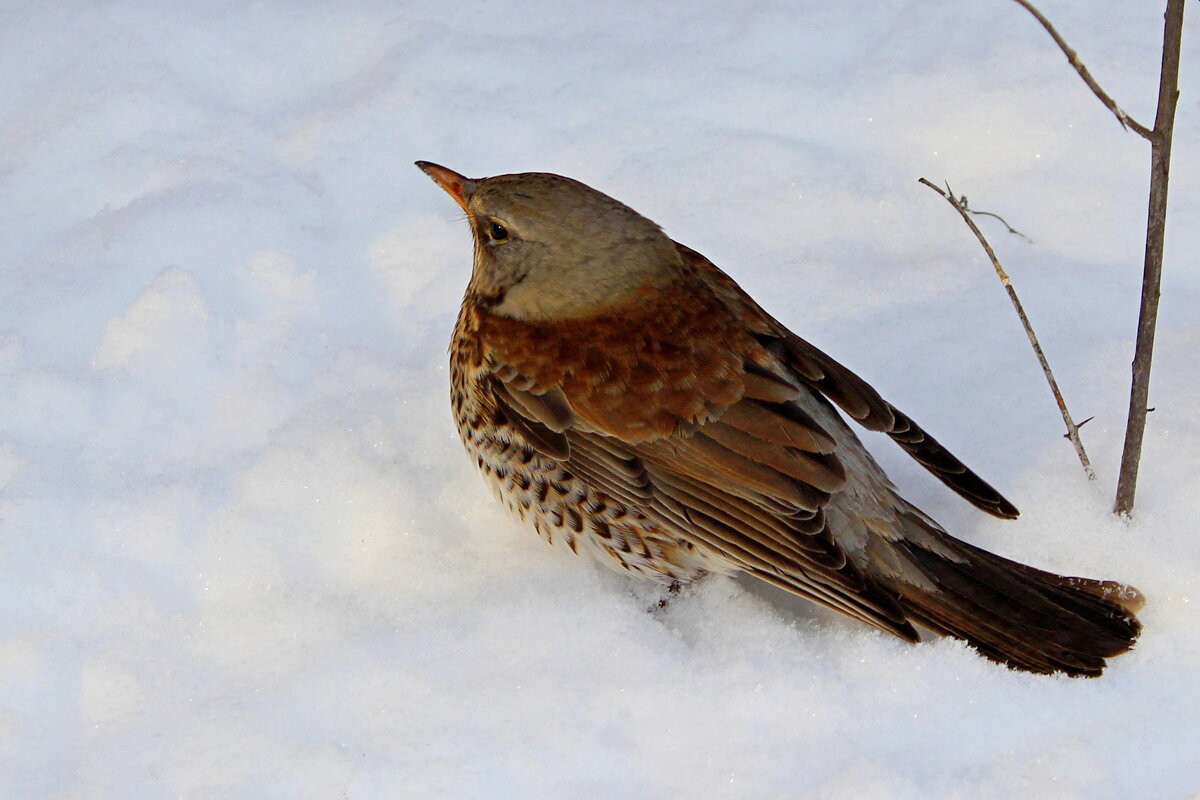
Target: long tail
(1024, 617)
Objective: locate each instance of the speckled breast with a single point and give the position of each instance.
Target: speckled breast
(543, 491)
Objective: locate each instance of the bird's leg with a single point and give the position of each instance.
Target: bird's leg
(673, 589)
(671, 593)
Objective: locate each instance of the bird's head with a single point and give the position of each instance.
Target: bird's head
(549, 247)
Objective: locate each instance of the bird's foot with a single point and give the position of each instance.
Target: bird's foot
(670, 593)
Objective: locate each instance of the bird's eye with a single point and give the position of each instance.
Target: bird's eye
(497, 232)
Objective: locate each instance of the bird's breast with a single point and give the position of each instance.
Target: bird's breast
(636, 372)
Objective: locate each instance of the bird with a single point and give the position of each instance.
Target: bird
(625, 397)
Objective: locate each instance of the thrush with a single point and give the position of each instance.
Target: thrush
(630, 401)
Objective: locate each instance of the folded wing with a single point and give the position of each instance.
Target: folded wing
(852, 394)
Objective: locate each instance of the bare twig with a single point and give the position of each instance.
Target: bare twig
(1072, 428)
(1156, 222)
(1003, 222)
(1073, 57)
(1080, 425)
(966, 207)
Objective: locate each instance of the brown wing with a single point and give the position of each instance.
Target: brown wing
(854, 396)
(851, 393)
(715, 450)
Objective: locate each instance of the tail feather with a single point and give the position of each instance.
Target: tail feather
(1016, 614)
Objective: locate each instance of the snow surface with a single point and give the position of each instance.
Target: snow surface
(243, 553)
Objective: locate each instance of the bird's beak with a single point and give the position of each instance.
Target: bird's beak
(456, 185)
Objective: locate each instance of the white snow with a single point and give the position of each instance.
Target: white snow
(242, 554)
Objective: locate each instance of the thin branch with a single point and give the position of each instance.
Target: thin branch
(1156, 224)
(1072, 428)
(1126, 121)
(1003, 222)
(1080, 425)
(967, 207)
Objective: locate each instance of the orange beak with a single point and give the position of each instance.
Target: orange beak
(456, 185)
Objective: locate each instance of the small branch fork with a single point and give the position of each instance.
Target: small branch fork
(1126, 121)
(962, 201)
(960, 206)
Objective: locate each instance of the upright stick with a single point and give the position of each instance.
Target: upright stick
(1160, 166)
(1072, 429)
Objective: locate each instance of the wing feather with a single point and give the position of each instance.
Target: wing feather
(851, 393)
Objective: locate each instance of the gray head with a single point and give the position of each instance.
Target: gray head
(549, 247)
